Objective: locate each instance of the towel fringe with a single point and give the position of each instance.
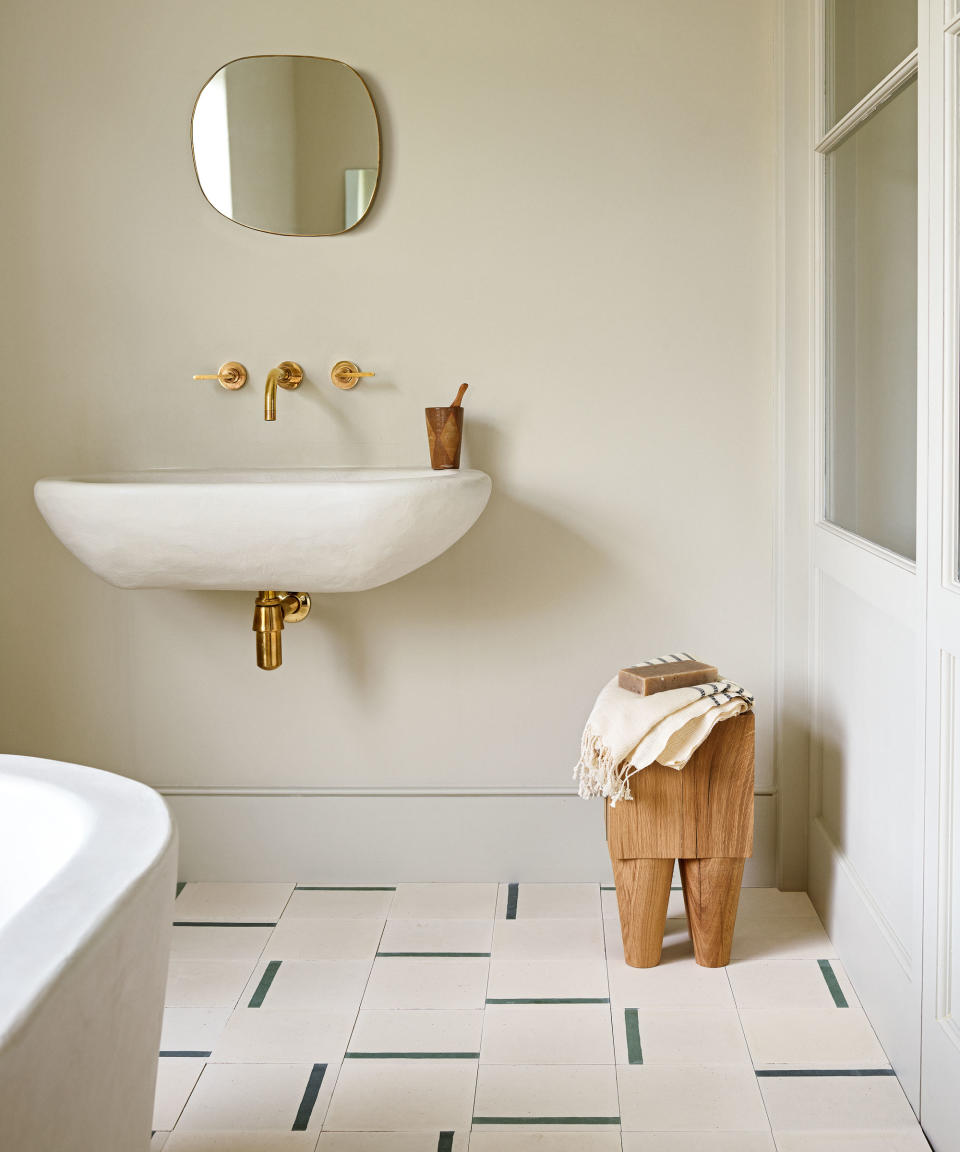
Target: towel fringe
(598, 772)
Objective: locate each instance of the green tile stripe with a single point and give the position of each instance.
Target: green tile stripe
(421, 954)
(310, 1094)
(550, 1000)
(445, 1142)
(181, 884)
(513, 895)
(608, 888)
(256, 1000)
(412, 1056)
(344, 888)
(224, 923)
(826, 968)
(634, 1047)
(825, 1072)
(546, 1119)
(169, 1052)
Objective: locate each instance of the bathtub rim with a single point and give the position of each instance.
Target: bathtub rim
(131, 833)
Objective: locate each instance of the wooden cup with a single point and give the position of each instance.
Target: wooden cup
(445, 435)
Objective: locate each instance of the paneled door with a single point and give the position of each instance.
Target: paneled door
(868, 566)
(940, 1084)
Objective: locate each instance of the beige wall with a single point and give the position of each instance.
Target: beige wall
(576, 216)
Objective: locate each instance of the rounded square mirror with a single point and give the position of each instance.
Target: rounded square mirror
(287, 144)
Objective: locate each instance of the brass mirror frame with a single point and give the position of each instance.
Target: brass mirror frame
(296, 56)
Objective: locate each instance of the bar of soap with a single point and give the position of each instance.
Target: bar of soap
(647, 679)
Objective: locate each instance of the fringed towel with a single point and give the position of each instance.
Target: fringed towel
(626, 732)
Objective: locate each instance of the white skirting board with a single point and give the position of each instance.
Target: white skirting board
(407, 837)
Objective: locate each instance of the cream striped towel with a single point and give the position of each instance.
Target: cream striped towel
(626, 732)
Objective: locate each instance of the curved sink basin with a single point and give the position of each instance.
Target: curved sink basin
(315, 529)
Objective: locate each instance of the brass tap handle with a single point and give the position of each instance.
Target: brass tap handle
(345, 374)
(231, 376)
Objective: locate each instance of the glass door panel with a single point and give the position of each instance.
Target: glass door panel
(871, 327)
(866, 39)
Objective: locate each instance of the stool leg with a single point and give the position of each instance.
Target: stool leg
(643, 891)
(711, 893)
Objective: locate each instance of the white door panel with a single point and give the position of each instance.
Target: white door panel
(940, 1081)
(868, 562)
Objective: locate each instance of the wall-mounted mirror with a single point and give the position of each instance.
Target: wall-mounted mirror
(287, 144)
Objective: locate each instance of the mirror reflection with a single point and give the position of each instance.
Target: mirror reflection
(287, 144)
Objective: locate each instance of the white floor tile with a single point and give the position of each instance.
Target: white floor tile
(547, 939)
(547, 979)
(206, 983)
(254, 1097)
(324, 985)
(427, 982)
(806, 1103)
(905, 1141)
(552, 901)
(682, 1036)
(695, 1090)
(233, 1141)
(437, 936)
(497, 1139)
(786, 984)
(420, 1030)
(539, 1094)
(339, 904)
(239, 903)
(176, 1077)
(767, 902)
(388, 1142)
(547, 1034)
(690, 1098)
(290, 1036)
(219, 943)
(403, 1095)
(781, 937)
(811, 1038)
(324, 939)
(608, 903)
(444, 901)
(698, 1142)
(672, 984)
(192, 1029)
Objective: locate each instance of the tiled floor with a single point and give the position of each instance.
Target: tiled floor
(502, 1018)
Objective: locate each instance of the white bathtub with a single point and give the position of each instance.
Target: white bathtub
(87, 877)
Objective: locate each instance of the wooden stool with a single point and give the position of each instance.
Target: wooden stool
(701, 815)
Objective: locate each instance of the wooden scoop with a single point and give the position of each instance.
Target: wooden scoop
(456, 403)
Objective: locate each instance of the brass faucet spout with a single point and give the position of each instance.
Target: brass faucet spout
(270, 396)
(288, 375)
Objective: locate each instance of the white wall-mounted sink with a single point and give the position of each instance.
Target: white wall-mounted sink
(315, 529)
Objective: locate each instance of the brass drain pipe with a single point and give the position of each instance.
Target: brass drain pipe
(271, 611)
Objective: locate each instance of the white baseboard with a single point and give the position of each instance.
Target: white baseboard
(367, 836)
(884, 973)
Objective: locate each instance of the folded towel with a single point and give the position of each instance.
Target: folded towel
(626, 732)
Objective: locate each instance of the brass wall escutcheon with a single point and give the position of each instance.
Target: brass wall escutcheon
(231, 375)
(271, 611)
(345, 374)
